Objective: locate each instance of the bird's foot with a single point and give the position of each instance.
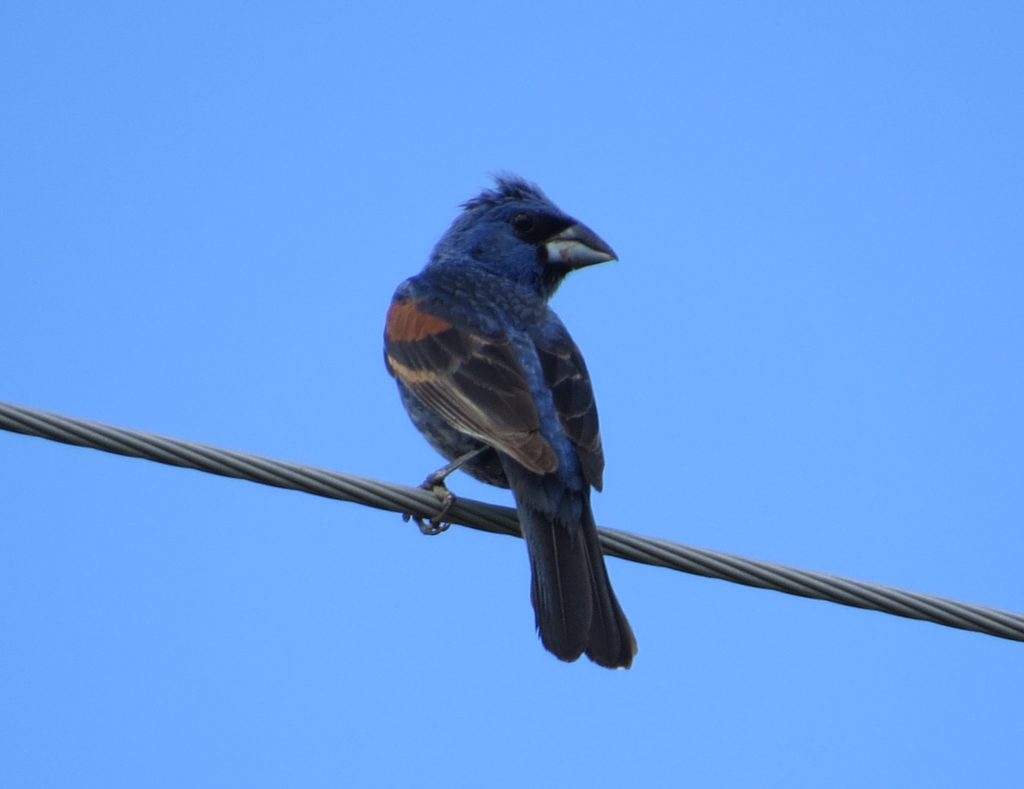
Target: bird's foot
(435, 484)
(437, 524)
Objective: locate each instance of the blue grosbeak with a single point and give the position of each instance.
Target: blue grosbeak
(493, 380)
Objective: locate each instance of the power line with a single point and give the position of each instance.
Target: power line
(503, 520)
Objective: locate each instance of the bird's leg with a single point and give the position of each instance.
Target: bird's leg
(435, 483)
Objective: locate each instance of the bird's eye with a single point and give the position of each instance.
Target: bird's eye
(523, 223)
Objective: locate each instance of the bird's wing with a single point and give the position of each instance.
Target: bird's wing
(566, 375)
(474, 382)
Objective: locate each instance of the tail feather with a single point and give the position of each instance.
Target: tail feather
(612, 643)
(561, 588)
(576, 610)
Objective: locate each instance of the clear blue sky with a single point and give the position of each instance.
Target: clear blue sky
(811, 352)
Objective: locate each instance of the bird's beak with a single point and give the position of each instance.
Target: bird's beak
(578, 246)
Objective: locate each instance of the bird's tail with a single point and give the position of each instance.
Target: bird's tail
(575, 607)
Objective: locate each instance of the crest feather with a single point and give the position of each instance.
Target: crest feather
(507, 187)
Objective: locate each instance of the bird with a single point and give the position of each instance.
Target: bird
(491, 377)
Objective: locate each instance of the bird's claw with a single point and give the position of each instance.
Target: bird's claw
(437, 524)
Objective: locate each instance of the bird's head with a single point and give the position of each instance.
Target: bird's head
(515, 231)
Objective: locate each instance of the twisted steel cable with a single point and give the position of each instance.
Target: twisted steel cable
(503, 520)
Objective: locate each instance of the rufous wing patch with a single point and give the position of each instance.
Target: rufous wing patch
(406, 322)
